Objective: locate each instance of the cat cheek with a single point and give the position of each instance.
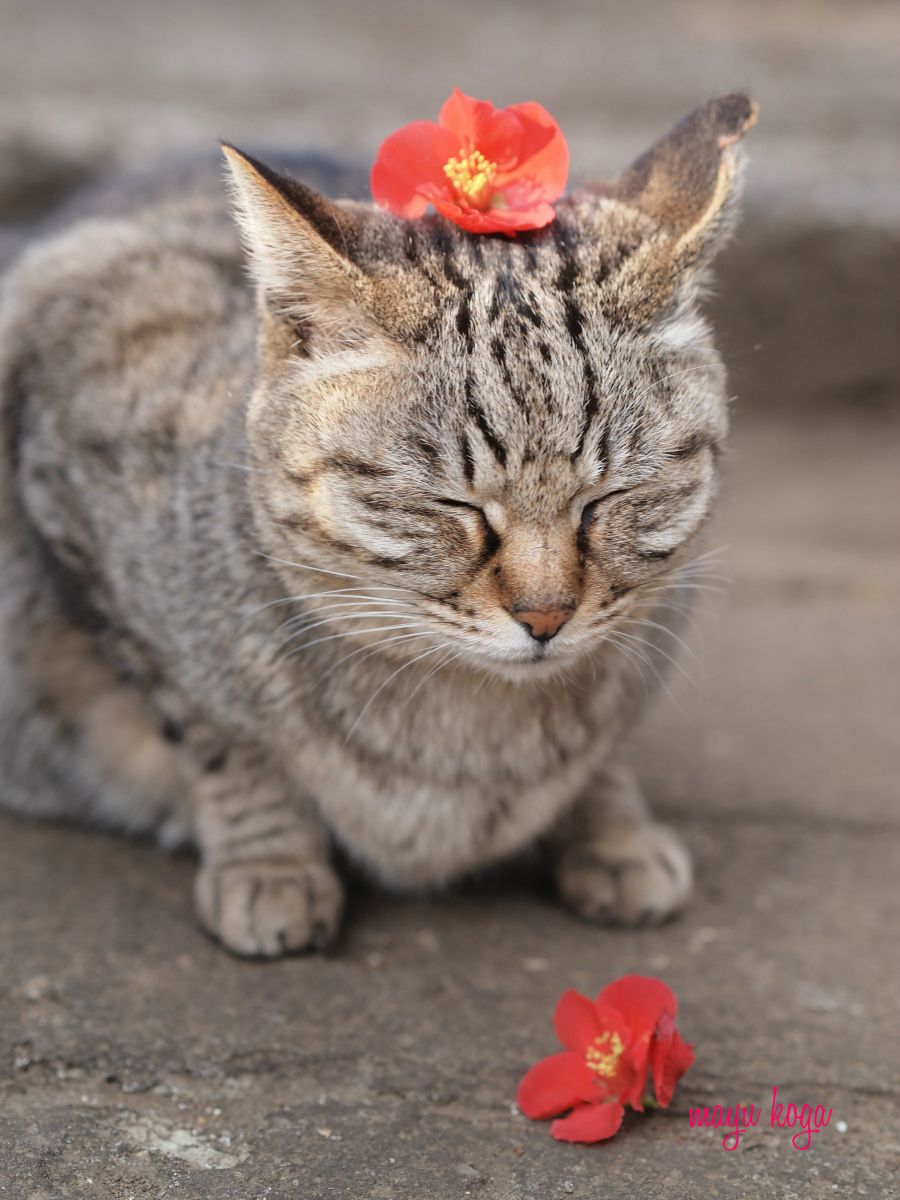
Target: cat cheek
(662, 538)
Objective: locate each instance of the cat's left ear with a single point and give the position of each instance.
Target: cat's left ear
(301, 251)
(684, 192)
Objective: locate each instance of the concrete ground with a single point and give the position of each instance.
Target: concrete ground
(141, 1061)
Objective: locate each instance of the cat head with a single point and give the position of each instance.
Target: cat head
(513, 441)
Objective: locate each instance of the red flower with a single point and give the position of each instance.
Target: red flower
(611, 1047)
(490, 170)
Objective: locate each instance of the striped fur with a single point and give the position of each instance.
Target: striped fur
(265, 549)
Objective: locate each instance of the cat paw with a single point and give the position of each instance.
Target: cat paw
(270, 907)
(635, 876)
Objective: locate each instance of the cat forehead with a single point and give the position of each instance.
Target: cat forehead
(478, 296)
(512, 332)
(490, 274)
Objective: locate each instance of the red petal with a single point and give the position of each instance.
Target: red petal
(500, 140)
(408, 160)
(507, 136)
(495, 220)
(553, 1085)
(508, 220)
(627, 1080)
(638, 1066)
(543, 152)
(671, 1057)
(575, 1021)
(523, 141)
(466, 118)
(589, 1123)
(522, 193)
(642, 1000)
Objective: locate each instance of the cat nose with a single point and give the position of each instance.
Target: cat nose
(543, 623)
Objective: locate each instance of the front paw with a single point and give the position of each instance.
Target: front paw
(269, 907)
(638, 875)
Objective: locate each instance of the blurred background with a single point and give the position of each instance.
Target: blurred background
(89, 85)
(778, 760)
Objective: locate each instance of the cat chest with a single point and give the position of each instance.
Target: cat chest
(421, 801)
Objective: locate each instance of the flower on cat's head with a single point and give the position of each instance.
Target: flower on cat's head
(612, 1046)
(490, 170)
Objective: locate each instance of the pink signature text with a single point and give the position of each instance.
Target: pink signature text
(738, 1118)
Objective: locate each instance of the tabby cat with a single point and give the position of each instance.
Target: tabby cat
(374, 549)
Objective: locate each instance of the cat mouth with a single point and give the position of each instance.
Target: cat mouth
(543, 657)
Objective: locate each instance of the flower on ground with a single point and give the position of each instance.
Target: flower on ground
(490, 170)
(612, 1047)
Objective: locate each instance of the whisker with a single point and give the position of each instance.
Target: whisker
(345, 591)
(674, 375)
(393, 675)
(368, 651)
(707, 554)
(485, 677)
(679, 585)
(633, 657)
(357, 605)
(366, 616)
(703, 573)
(672, 634)
(286, 562)
(700, 570)
(444, 662)
(346, 633)
(230, 466)
(684, 610)
(655, 672)
(659, 650)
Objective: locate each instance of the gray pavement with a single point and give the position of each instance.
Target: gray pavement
(138, 1059)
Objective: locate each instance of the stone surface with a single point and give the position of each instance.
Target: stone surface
(138, 1060)
(144, 1062)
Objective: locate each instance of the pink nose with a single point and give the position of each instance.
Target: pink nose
(544, 623)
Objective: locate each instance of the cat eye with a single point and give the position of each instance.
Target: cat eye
(451, 503)
(491, 537)
(589, 512)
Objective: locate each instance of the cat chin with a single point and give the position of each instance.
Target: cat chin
(529, 670)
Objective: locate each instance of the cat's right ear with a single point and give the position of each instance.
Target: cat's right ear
(301, 250)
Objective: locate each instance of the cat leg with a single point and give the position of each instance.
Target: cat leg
(79, 743)
(611, 862)
(265, 885)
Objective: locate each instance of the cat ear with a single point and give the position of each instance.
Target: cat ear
(685, 188)
(301, 249)
(686, 181)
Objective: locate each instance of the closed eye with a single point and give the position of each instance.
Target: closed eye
(590, 511)
(491, 537)
(451, 503)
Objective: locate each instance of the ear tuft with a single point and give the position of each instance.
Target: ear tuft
(733, 116)
(249, 175)
(300, 246)
(685, 178)
(687, 184)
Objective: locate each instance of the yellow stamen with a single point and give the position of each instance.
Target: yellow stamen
(603, 1054)
(470, 175)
